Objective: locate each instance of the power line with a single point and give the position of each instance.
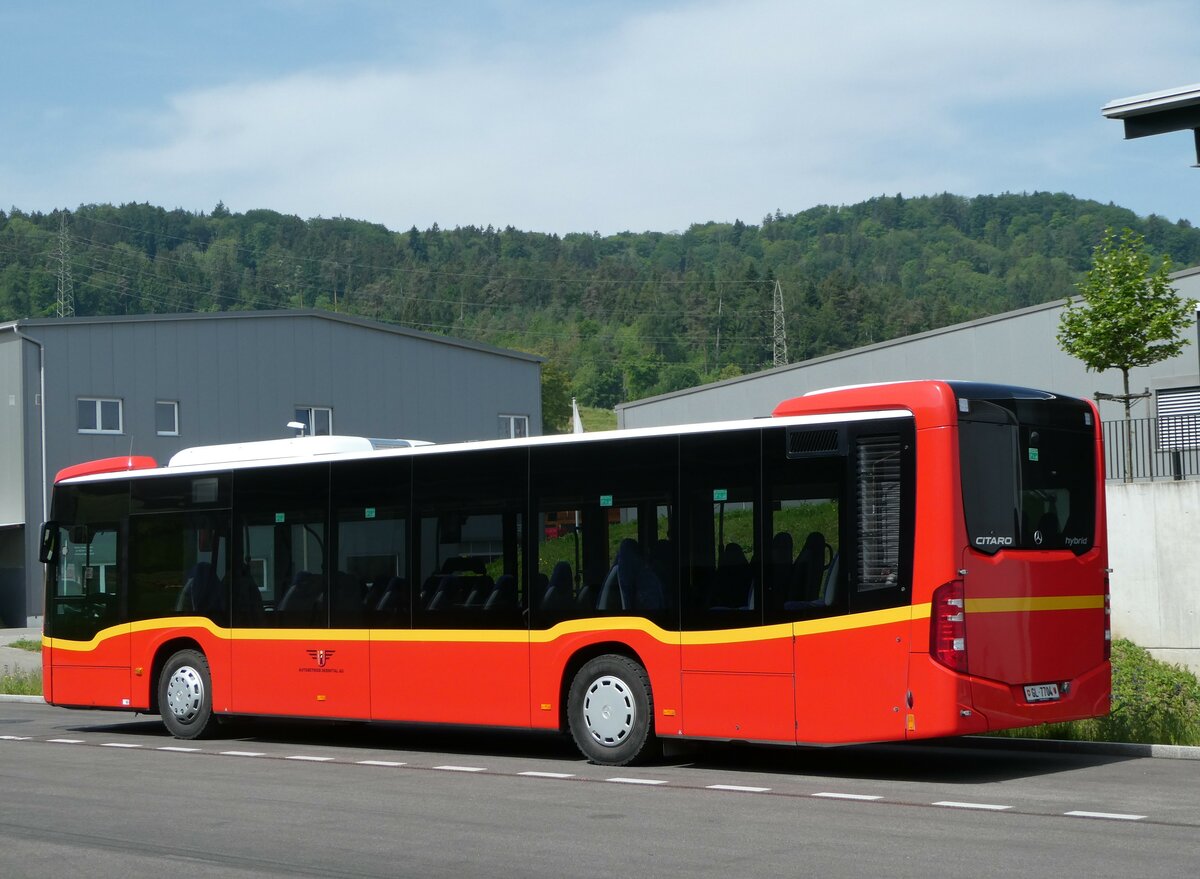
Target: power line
(66, 287)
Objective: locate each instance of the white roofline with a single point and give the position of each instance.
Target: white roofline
(1153, 102)
(527, 442)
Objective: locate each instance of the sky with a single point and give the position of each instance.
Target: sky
(585, 116)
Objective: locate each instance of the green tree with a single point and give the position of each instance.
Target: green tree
(1130, 316)
(556, 399)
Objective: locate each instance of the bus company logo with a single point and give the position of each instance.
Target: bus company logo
(321, 658)
(993, 541)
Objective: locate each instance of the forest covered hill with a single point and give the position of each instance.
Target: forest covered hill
(618, 316)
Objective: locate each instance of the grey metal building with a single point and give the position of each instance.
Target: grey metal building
(155, 384)
(1018, 347)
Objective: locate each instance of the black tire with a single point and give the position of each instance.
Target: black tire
(185, 695)
(610, 710)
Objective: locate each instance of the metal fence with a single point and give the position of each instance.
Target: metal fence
(1163, 448)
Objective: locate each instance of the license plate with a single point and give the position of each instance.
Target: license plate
(1041, 693)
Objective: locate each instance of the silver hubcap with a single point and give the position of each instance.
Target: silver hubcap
(185, 693)
(609, 711)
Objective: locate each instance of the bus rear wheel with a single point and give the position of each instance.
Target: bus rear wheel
(185, 695)
(610, 710)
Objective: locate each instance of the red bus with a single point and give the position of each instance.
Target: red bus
(874, 563)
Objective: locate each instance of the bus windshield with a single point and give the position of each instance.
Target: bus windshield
(1028, 475)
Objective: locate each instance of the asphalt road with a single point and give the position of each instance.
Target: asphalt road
(108, 795)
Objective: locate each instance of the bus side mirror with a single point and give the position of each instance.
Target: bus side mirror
(50, 544)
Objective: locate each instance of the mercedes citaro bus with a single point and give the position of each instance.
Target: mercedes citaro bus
(872, 563)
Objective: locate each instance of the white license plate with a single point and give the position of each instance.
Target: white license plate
(1041, 693)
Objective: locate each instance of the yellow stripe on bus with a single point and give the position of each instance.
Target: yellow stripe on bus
(589, 625)
(1027, 605)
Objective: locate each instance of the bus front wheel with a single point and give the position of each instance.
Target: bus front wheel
(185, 695)
(610, 710)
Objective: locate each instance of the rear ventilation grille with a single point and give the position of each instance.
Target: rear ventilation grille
(801, 442)
(879, 474)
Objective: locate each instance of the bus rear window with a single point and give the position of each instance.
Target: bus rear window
(1028, 481)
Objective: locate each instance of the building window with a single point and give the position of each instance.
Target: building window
(166, 418)
(317, 420)
(99, 415)
(514, 426)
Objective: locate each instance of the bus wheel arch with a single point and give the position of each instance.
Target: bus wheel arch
(609, 705)
(183, 692)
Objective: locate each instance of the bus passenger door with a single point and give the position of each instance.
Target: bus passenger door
(852, 641)
(286, 658)
(737, 674)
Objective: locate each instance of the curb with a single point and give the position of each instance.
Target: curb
(10, 697)
(1061, 746)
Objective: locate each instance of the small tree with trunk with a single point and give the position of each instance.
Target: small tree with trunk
(1129, 316)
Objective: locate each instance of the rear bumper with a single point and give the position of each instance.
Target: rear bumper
(946, 703)
(1004, 705)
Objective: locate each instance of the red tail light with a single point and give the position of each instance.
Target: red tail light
(948, 626)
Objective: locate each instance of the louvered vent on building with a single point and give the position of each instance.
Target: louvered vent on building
(1178, 419)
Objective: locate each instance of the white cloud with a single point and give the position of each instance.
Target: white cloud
(705, 111)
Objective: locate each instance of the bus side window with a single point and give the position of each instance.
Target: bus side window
(805, 478)
(469, 553)
(280, 576)
(370, 542)
(722, 530)
(179, 566)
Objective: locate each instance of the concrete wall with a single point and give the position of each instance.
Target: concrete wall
(1153, 534)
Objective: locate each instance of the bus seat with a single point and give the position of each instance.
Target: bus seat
(586, 600)
(480, 588)
(609, 597)
(447, 594)
(806, 571)
(302, 597)
(558, 600)
(348, 595)
(733, 575)
(203, 593)
(395, 598)
(504, 594)
(247, 600)
(629, 568)
(827, 593)
(781, 567)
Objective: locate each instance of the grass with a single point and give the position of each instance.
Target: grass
(597, 419)
(27, 644)
(1154, 703)
(20, 683)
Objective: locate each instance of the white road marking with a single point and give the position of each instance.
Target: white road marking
(310, 759)
(66, 741)
(834, 796)
(177, 748)
(636, 780)
(462, 768)
(15, 738)
(242, 753)
(118, 745)
(988, 807)
(742, 788)
(547, 774)
(380, 763)
(1113, 816)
